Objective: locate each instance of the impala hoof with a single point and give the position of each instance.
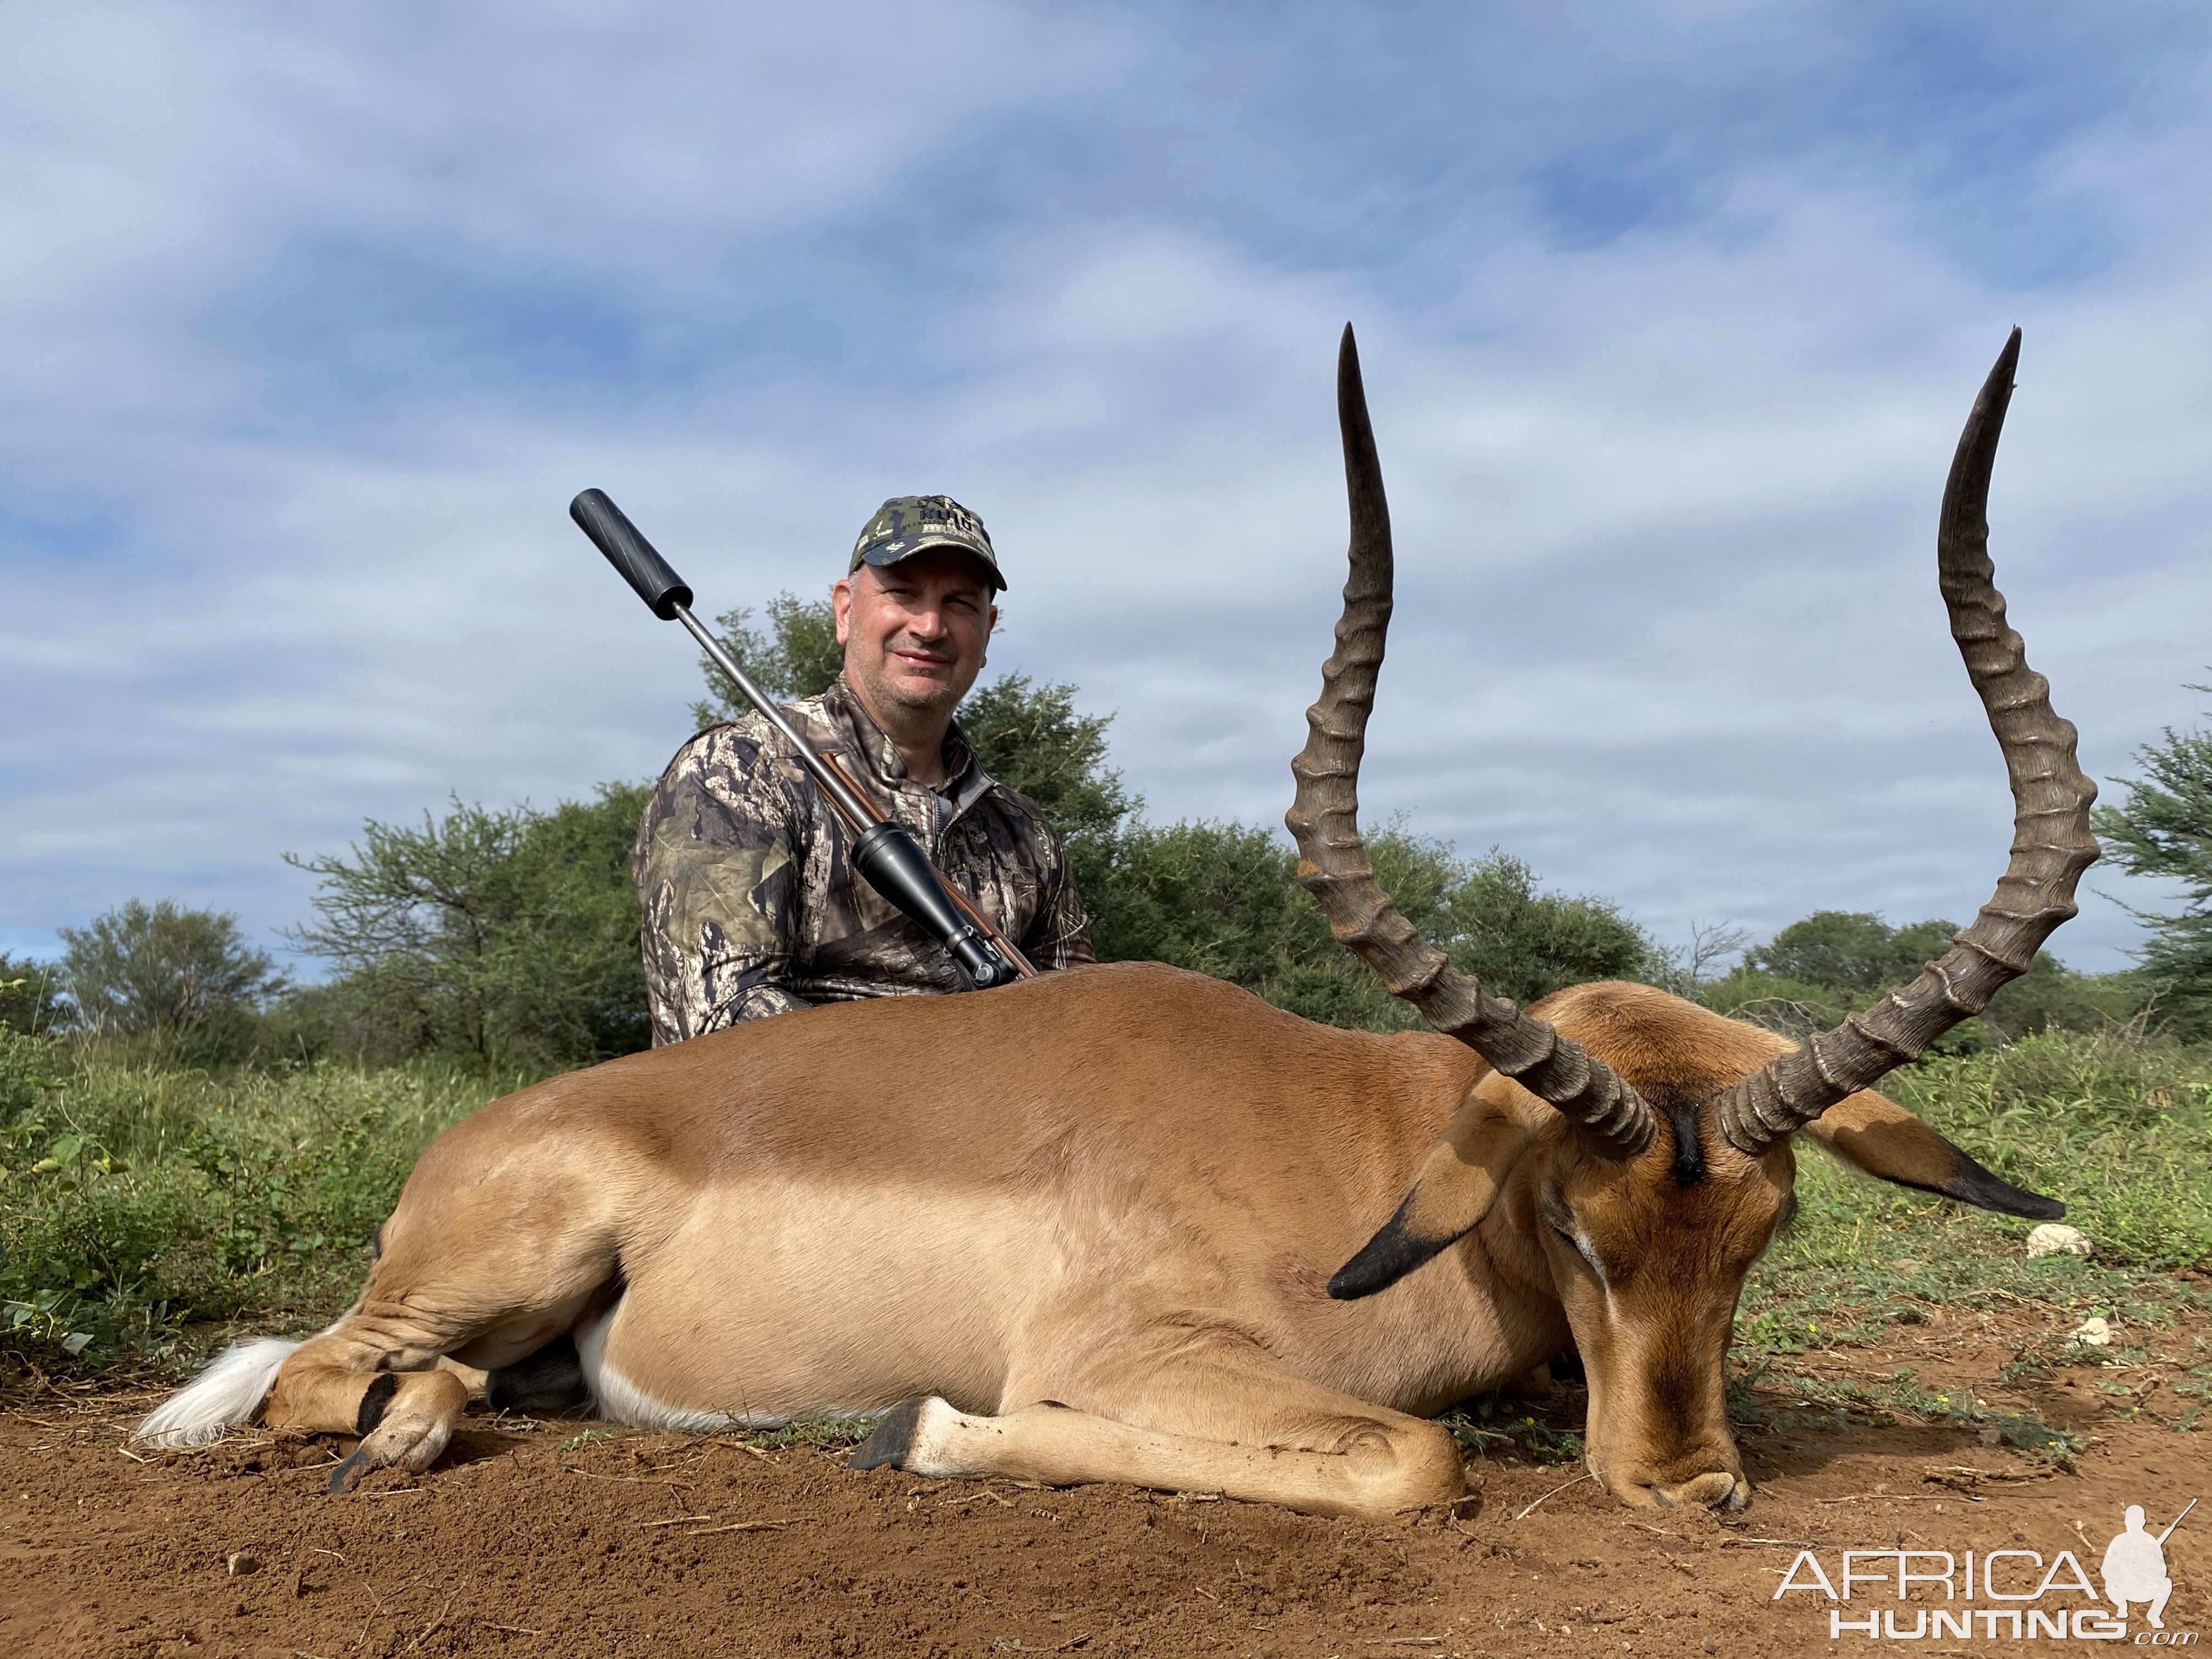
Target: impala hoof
(888, 1446)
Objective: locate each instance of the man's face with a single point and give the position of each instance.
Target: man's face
(914, 632)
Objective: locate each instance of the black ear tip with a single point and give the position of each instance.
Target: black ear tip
(1383, 1260)
(1355, 1278)
(1972, 1184)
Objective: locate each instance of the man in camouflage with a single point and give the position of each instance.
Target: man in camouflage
(751, 904)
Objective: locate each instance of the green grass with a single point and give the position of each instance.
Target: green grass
(139, 1204)
(1500, 1425)
(2118, 1126)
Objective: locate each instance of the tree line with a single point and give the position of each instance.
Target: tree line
(508, 937)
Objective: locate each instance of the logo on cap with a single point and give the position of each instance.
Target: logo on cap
(907, 524)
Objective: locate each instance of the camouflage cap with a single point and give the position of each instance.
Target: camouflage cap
(906, 525)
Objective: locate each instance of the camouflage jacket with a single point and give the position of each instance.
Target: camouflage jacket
(751, 907)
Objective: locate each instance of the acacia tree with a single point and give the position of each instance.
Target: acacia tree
(163, 970)
(510, 936)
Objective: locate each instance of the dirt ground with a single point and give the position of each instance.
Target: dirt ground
(532, 1539)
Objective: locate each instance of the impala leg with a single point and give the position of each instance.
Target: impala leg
(381, 1372)
(1228, 1419)
(375, 1373)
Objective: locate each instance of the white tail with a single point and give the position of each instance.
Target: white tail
(218, 1400)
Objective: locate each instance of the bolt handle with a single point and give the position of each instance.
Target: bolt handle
(663, 591)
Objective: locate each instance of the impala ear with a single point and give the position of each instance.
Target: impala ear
(1878, 1136)
(1458, 1183)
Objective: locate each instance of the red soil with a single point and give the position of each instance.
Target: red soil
(521, 1542)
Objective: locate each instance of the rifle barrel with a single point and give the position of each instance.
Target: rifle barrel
(857, 813)
(2178, 1520)
(885, 851)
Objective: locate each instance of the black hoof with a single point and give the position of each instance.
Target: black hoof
(348, 1474)
(893, 1437)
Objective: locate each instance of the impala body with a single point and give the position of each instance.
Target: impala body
(1122, 1223)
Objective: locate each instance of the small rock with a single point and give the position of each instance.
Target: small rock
(2056, 1238)
(242, 1565)
(1907, 1264)
(2093, 1332)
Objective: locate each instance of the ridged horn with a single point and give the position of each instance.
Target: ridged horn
(2052, 843)
(1332, 865)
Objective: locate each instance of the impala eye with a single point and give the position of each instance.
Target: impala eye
(1560, 1221)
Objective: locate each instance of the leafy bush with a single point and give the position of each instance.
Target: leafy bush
(31, 1000)
(1815, 971)
(1223, 899)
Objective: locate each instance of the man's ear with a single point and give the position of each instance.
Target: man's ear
(1458, 1183)
(1876, 1135)
(841, 606)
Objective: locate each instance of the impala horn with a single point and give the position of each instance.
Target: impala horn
(1324, 820)
(2051, 843)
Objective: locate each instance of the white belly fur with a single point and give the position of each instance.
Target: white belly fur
(841, 1304)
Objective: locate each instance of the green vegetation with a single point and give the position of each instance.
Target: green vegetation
(31, 998)
(2118, 1124)
(140, 1199)
(182, 980)
(508, 940)
(1812, 973)
(1223, 899)
(2164, 829)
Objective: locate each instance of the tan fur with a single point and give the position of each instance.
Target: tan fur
(1120, 1189)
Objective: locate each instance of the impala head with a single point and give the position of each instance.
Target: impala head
(1648, 1164)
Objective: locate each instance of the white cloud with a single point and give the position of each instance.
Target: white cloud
(1669, 326)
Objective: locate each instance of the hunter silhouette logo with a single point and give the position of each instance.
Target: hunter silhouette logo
(2135, 1567)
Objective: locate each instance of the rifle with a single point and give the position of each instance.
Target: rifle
(2178, 1520)
(885, 851)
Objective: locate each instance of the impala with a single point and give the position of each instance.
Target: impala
(1121, 1223)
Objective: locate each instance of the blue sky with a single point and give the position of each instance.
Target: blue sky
(316, 319)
